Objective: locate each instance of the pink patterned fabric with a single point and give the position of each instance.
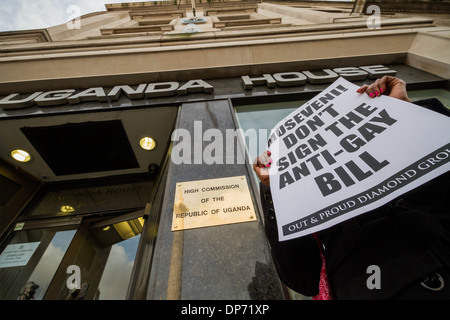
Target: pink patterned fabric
(324, 284)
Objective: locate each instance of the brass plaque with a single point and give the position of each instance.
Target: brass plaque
(212, 202)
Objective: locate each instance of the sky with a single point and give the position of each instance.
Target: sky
(37, 14)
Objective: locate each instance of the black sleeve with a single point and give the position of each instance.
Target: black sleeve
(434, 105)
(297, 261)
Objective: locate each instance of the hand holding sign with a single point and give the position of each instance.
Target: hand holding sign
(342, 154)
(261, 167)
(391, 86)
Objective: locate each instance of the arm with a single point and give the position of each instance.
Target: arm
(297, 261)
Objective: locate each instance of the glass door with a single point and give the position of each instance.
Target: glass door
(90, 242)
(30, 259)
(92, 259)
(100, 261)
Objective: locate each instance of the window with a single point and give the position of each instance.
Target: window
(441, 94)
(30, 260)
(95, 199)
(262, 118)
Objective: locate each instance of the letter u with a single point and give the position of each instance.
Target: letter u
(7, 103)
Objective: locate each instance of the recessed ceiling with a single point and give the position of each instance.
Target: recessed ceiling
(84, 147)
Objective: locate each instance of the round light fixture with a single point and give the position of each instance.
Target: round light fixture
(67, 209)
(147, 143)
(20, 155)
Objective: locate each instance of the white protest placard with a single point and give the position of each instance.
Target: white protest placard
(342, 154)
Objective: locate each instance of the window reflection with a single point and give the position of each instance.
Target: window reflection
(30, 260)
(106, 260)
(117, 273)
(441, 94)
(78, 201)
(46, 268)
(261, 117)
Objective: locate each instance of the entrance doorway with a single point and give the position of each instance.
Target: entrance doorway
(91, 230)
(92, 258)
(84, 243)
(30, 259)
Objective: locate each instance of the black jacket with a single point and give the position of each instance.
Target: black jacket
(406, 238)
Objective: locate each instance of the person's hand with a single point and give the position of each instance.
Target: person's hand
(261, 167)
(391, 86)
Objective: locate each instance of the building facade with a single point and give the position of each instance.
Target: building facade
(127, 137)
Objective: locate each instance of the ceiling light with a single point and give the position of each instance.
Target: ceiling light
(20, 155)
(67, 209)
(147, 143)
